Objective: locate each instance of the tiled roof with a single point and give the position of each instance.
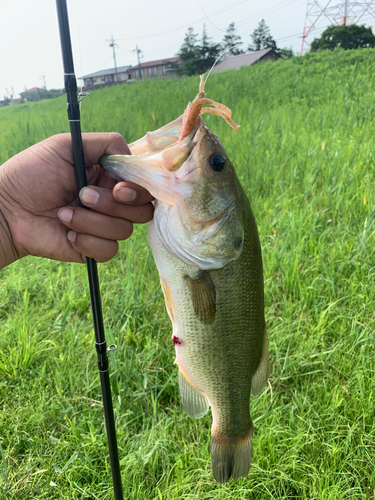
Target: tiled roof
(34, 89)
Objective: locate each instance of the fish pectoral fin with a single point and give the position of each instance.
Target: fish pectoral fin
(194, 402)
(260, 377)
(203, 294)
(167, 298)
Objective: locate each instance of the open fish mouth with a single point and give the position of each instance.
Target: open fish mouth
(154, 161)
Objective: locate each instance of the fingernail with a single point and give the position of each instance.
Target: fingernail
(89, 196)
(72, 235)
(65, 215)
(126, 194)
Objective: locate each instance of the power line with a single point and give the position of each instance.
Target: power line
(316, 31)
(255, 17)
(284, 5)
(258, 15)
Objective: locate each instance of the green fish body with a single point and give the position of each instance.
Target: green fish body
(206, 247)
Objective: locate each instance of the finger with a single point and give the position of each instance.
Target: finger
(95, 224)
(101, 200)
(87, 245)
(123, 193)
(95, 144)
(96, 176)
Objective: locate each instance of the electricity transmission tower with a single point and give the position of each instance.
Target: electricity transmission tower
(341, 13)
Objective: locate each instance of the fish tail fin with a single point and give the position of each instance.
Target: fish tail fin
(231, 458)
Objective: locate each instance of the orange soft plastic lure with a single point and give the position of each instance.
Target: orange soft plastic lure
(195, 109)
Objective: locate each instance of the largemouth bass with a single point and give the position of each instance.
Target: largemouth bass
(206, 247)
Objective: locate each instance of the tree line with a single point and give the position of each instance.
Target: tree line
(198, 56)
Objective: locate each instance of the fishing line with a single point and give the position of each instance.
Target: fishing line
(219, 56)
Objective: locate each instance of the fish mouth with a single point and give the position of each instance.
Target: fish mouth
(156, 168)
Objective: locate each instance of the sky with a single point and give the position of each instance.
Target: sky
(30, 54)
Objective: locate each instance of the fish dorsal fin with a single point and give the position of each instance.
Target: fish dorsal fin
(194, 402)
(203, 294)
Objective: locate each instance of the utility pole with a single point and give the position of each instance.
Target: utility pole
(344, 13)
(113, 45)
(138, 51)
(43, 77)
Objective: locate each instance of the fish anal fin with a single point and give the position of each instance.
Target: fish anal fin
(231, 457)
(260, 377)
(194, 402)
(203, 294)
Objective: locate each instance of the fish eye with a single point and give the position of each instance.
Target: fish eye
(217, 162)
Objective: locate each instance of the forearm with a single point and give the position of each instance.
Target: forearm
(8, 252)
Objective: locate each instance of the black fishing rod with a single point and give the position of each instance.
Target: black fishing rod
(70, 83)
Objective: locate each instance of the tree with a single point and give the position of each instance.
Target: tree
(346, 37)
(197, 59)
(208, 52)
(262, 38)
(286, 53)
(5, 101)
(188, 54)
(231, 42)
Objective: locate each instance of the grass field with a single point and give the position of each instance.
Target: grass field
(305, 155)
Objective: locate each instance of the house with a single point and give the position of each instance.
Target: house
(106, 77)
(37, 94)
(33, 94)
(236, 62)
(162, 68)
(126, 74)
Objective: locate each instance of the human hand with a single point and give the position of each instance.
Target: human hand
(38, 196)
